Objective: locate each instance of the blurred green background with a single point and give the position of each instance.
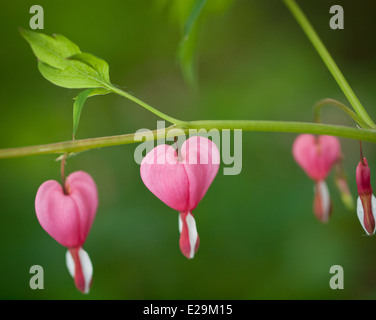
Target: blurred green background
(259, 237)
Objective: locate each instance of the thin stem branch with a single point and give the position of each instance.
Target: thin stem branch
(245, 125)
(324, 102)
(328, 60)
(62, 170)
(146, 106)
(361, 153)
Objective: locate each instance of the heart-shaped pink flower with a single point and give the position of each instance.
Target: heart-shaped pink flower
(180, 180)
(67, 215)
(316, 155)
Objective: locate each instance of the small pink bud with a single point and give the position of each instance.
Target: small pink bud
(366, 204)
(363, 178)
(67, 216)
(181, 181)
(316, 156)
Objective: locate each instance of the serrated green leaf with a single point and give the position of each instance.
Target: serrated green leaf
(62, 62)
(94, 62)
(70, 77)
(79, 103)
(51, 50)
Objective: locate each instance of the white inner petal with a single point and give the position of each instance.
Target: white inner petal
(86, 265)
(70, 263)
(192, 233)
(87, 268)
(360, 212)
(373, 202)
(180, 224)
(325, 198)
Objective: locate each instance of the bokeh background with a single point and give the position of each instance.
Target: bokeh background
(259, 238)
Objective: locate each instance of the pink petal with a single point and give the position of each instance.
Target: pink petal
(363, 178)
(201, 159)
(165, 177)
(67, 217)
(181, 182)
(316, 155)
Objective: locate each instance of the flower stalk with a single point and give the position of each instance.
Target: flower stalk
(80, 145)
(329, 62)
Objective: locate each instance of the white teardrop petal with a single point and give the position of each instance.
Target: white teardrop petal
(360, 212)
(87, 268)
(325, 198)
(70, 263)
(192, 233)
(180, 224)
(373, 203)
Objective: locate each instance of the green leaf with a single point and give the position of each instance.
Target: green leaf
(186, 52)
(190, 15)
(196, 10)
(79, 103)
(188, 43)
(94, 62)
(70, 77)
(62, 62)
(98, 92)
(51, 50)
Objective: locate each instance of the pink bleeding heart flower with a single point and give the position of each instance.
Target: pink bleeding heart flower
(180, 180)
(67, 215)
(316, 156)
(366, 204)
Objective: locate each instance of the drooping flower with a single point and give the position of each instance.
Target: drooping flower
(316, 156)
(181, 179)
(366, 204)
(67, 214)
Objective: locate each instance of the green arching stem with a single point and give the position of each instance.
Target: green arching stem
(324, 102)
(329, 62)
(366, 134)
(245, 125)
(146, 106)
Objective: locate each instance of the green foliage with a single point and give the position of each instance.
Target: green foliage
(188, 43)
(79, 103)
(61, 62)
(190, 15)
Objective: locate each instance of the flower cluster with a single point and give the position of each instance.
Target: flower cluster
(317, 155)
(180, 178)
